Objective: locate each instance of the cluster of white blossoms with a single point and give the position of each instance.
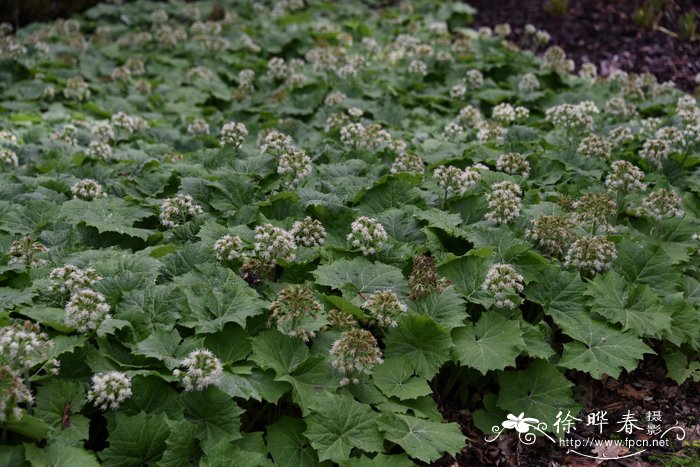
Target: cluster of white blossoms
(87, 189)
(109, 390)
(406, 162)
(553, 233)
(86, 310)
(13, 393)
(295, 162)
(368, 235)
(76, 89)
(662, 204)
(458, 91)
(513, 163)
(470, 116)
(491, 132)
(620, 135)
(506, 113)
(199, 370)
(504, 283)
(99, 150)
(384, 306)
(619, 108)
(572, 117)
(595, 146)
(455, 181)
(673, 136)
(309, 232)
(8, 158)
(418, 67)
(233, 133)
(22, 252)
(353, 135)
(591, 254)
(528, 83)
(276, 143)
(198, 126)
(453, 131)
(129, 123)
(504, 202)
(656, 151)
(625, 177)
(474, 79)
(687, 110)
(274, 244)
(334, 98)
(103, 131)
(355, 352)
(70, 278)
(23, 345)
(178, 210)
(588, 71)
(296, 312)
(228, 248)
(246, 80)
(593, 210)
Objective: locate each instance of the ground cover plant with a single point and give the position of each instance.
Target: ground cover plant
(284, 232)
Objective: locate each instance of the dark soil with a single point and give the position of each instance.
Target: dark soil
(603, 32)
(644, 390)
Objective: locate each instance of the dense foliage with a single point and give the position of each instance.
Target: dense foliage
(291, 233)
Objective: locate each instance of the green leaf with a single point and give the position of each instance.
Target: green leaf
(214, 413)
(685, 321)
(437, 218)
(274, 350)
(422, 439)
(216, 296)
(540, 391)
(395, 378)
(162, 345)
(311, 380)
(635, 307)
(680, 369)
(109, 214)
(230, 344)
(467, 273)
(446, 308)
(182, 448)
(492, 344)
(601, 349)
(363, 275)
(29, 426)
(55, 400)
(561, 295)
(288, 446)
(135, 440)
(422, 341)
(57, 454)
(647, 264)
(339, 424)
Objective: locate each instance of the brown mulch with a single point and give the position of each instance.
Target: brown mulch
(644, 390)
(603, 32)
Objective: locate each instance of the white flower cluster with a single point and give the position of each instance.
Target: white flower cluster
(553, 233)
(503, 202)
(109, 390)
(178, 210)
(571, 117)
(70, 278)
(368, 235)
(14, 391)
(594, 209)
(453, 131)
(76, 89)
(625, 177)
(410, 163)
(591, 254)
(274, 244)
(87, 189)
(86, 310)
(356, 351)
(595, 146)
(506, 113)
(8, 157)
(246, 79)
(490, 132)
(687, 110)
(22, 252)
(103, 131)
(470, 116)
(620, 135)
(353, 135)
(275, 142)
(588, 71)
(129, 123)
(456, 181)
(384, 306)
(309, 232)
(418, 67)
(198, 126)
(228, 248)
(528, 83)
(295, 162)
(656, 151)
(24, 344)
(99, 150)
(513, 163)
(619, 108)
(233, 133)
(662, 204)
(474, 79)
(504, 282)
(555, 58)
(201, 370)
(458, 91)
(334, 98)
